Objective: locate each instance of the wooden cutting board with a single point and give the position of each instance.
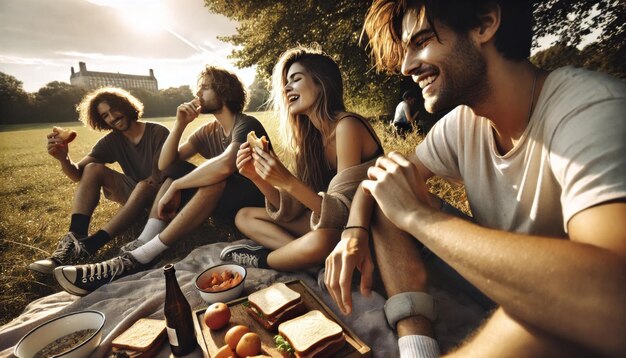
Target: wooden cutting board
(211, 341)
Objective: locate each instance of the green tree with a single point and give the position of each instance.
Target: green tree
(56, 102)
(610, 60)
(14, 102)
(572, 20)
(164, 102)
(172, 97)
(258, 94)
(269, 27)
(557, 56)
(152, 106)
(594, 57)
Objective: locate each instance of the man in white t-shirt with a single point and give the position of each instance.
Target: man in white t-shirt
(541, 155)
(404, 117)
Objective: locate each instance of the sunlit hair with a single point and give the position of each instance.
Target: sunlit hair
(117, 98)
(227, 86)
(383, 25)
(304, 141)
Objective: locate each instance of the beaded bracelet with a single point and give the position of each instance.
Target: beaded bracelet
(356, 227)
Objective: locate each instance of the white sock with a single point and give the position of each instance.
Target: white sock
(149, 251)
(417, 346)
(153, 227)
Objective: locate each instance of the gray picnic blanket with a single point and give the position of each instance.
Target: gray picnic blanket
(142, 295)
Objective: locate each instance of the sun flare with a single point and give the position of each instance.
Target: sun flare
(143, 16)
(145, 20)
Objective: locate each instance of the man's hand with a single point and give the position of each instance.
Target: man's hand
(56, 147)
(187, 112)
(245, 162)
(169, 203)
(351, 253)
(397, 187)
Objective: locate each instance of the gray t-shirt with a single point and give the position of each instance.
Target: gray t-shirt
(570, 157)
(209, 140)
(138, 161)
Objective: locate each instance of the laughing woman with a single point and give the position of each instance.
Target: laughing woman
(330, 149)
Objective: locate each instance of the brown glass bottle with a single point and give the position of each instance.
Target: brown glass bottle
(178, 317)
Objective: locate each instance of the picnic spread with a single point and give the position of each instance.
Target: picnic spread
(142, 295)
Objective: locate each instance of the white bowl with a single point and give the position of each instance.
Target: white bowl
(48, 332)
(226, 295)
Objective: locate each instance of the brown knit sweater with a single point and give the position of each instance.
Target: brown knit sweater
(335, 201)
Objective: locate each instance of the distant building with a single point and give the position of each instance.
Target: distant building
(91, 80)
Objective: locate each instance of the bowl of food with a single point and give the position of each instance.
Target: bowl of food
(221, 283)
(74, 335)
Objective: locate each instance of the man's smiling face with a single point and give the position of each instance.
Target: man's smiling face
(446, 65)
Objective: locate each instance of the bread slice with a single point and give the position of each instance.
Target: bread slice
(269, 301)
(310, 331)
(271, 323)
(67, 135)
(257, 142)
(142, 336)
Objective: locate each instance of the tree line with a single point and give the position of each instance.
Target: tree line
(56, 101)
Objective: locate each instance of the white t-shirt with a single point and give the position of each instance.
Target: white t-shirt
(572, 155)
(400, 116)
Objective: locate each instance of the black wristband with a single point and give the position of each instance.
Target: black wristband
(356, 227)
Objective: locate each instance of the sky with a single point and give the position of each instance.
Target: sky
(40, 40)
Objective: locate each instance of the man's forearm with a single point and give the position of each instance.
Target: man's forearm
(70, 169)
(169, 152)
(361, 209)
(573, 290)
(211, 172)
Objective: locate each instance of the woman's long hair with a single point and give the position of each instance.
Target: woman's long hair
(305, 143)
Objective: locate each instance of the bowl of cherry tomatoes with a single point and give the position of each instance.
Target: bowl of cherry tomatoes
(221, 283)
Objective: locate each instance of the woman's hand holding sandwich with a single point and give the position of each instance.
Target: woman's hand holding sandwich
(272, 170)
(351, 253)
(245, 163)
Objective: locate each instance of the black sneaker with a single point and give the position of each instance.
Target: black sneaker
(69, 251)
(246, 255)
(81, 279)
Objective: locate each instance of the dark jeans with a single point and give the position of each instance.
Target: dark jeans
(403, 128)
(239, 193)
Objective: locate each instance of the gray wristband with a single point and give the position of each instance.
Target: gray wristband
(408, 304)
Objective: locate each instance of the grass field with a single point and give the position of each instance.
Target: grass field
(36, 198)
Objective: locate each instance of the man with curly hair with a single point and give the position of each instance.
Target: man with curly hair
(216, 186)
(135, 145)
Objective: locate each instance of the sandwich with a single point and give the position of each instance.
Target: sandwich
(312, 335)
(256, 142)
(143, 339)
(275, 304)
(67, 135)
